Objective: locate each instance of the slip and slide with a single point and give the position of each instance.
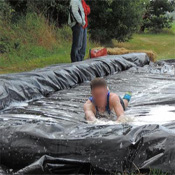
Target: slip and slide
(43, 130)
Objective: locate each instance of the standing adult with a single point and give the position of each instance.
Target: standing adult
(84, 41)
(76, 21)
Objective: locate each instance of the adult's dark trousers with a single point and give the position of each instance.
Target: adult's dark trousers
(79, 42)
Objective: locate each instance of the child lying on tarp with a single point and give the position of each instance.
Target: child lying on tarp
(105, 105)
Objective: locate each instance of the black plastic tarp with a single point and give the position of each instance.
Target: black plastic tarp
(43, 130)
(41, 82)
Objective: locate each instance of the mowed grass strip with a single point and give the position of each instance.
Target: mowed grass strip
(163, 44)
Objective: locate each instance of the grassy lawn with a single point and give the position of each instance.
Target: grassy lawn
(39, 58)
(33, 43)
(162, 44)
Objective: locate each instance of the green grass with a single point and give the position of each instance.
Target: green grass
(163, 44)
(37, 58)
(33, 43)
(39, 44)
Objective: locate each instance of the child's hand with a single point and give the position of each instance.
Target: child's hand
(125, 119)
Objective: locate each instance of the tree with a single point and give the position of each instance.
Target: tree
(115, 19)
(156, 18)
(55, 10)
(6, 12)
(109, 19)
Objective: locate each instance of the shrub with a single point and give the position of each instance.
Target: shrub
(156, 18)
(5, 17)
(6, 12)
(30, 30)
(54, 10)
(113, 19)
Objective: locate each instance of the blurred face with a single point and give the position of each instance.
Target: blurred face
(99, 95)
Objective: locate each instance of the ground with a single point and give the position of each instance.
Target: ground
(40, 54)
(162, 44)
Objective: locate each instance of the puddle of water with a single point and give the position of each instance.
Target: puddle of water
(157, 115)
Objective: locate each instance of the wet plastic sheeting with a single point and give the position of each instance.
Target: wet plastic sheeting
(35, 84)
(50, 136)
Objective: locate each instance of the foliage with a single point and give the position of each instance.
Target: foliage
(30, 30)
(33, 42)
(161, 43)
(5, 14)
(109, 18)
(29, 37)
(115, 19)
(6, 11)
(54, 10)
(156, 17)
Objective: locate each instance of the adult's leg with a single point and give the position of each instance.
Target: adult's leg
(76, 42)
(84, 44)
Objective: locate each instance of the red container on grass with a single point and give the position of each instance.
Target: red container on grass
(94, 53)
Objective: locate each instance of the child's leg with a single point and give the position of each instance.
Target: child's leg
(127, 98)
(126, 103)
